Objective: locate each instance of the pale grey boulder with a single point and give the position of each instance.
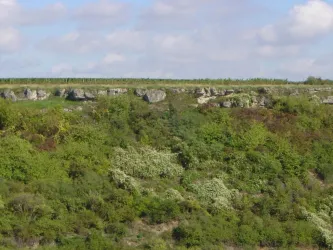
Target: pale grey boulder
(102, 92)
(214, 92)
(76, 95)
(178, 90)
(113, 92)
(140, 92)
(42, 94)
(328, 100)
(265, 102)
(89, 96)
(80, 95)
(61, 93)
(226, 104)
(8, 95)
(154, 95)
(200, 92)
(205, 99)
(30, 95)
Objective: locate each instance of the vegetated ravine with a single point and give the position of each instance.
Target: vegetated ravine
(199, 168)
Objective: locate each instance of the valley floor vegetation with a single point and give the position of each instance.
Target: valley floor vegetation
(124, 174)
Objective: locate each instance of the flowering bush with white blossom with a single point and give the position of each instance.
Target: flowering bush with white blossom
(146, 162)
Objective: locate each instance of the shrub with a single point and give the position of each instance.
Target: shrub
(8, 115)
(191, 235)
(214, 193)
(124, 181)
(161, 210)
(146, 162)
(20, 161)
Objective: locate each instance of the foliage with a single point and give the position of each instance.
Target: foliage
(146, 162)
(125, 174)
(215, 193)
(162, 82)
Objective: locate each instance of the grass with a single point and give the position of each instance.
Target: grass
(151, 83)
(134, 81)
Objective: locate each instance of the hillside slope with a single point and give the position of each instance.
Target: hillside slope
(141, 170)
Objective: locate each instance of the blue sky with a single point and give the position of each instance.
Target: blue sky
(167, 38)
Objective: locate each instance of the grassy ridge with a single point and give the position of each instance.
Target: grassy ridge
(134, 81)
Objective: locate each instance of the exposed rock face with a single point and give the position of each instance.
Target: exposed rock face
(102, 92)
(226, 104)
(204, 99)
(140, 92)
(295, 93)
(328, 100)
(243, 103)
(263, 102)
(30, 94)
(154, 95)
(215, 92)
(229, 91)
(254, 101)
(60, 92)
(264, 91)
(112, 92)
(80, 95)
(89, 96)
(200, 92)
(226, 98)
(76, 95)
(178, 90)
(42, 94)
(204, 95)
(9, 95)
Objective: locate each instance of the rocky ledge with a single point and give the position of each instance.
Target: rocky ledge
(221, 97)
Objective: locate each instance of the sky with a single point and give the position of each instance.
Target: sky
(187, 39)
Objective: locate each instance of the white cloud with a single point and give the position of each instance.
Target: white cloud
(8, 9)
(10, 39)
(305, 66)
(278, 51)
(128, 39)
(170, 38)
(42, 16)
(13, 16)
(72, 43)
(311, 19)
(304, 22)
(62, 69)
(102, 13)
(113, 58)
(172, 15)
(12, 13)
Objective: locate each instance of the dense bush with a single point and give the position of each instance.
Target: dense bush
(124, 174)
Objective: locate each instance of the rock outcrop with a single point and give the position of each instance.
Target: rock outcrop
(154, 95)
(30, 95)
(9, 95)
(140, 92)
(328, 100)
(204, 95)
(226, 104)
(80, 95)
(76, 95)
(61, 93)
(112, 92)
(211, 96)
(178, 90)
(42, 94)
